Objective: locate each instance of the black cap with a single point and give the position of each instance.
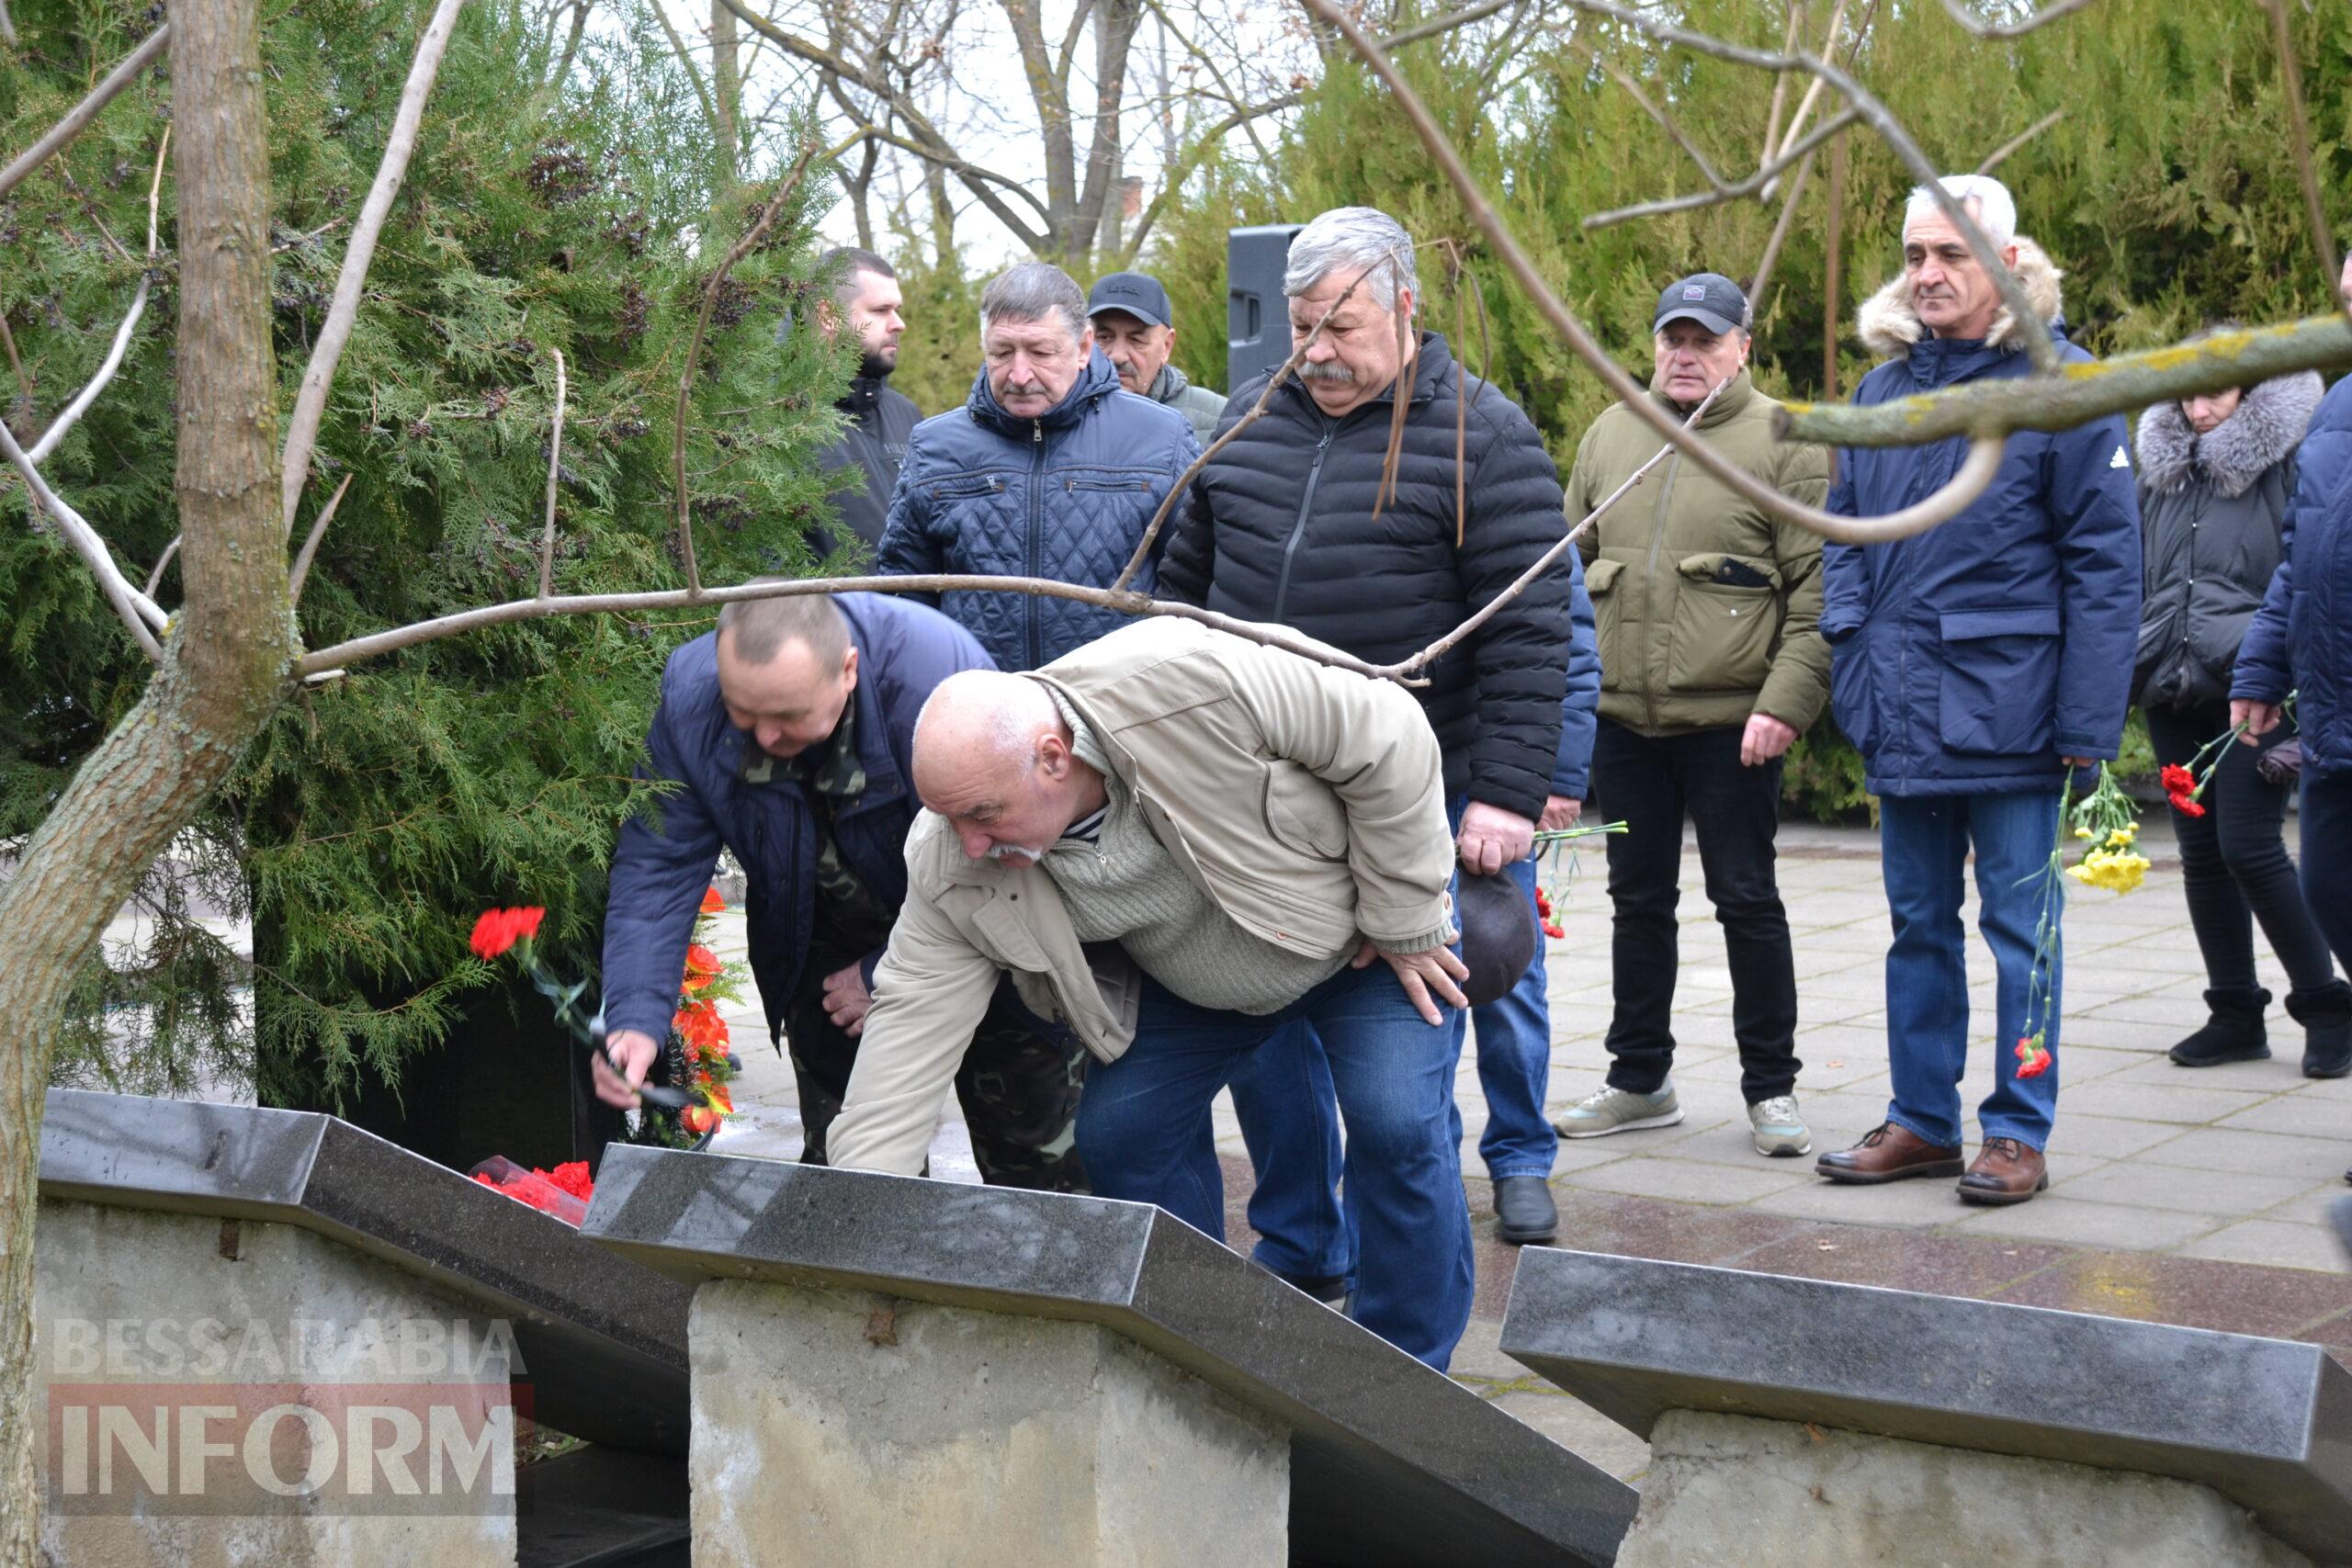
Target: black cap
(1709, 299)
(1139, 294)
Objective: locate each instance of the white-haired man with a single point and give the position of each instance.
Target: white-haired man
(1288, 523)
(1975, 666)
(1080, 826)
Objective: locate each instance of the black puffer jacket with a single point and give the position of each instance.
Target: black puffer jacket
(863, 465)
(1280, 527)
(2210, 509)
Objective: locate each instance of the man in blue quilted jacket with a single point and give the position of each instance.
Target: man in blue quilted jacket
(1975, 667)
(1048, 469)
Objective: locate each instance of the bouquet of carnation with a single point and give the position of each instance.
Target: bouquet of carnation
(695, 1060)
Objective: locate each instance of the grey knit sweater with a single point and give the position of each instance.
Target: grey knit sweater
(1124, 886)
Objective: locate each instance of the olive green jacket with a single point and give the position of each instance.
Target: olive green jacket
(1680, 648)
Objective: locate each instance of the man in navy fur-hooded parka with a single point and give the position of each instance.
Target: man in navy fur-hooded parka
(1975, 665)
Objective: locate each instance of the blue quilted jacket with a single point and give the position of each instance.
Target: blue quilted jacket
(1064, 496)
(2301, 637)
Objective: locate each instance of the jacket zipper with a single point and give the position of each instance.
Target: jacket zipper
(1298, 528)
(1036, 527)
(1657, 540)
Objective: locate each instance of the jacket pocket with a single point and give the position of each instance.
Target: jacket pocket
(1851, 698)
(1303, 814)
(1600, 584)
(957, 487)
(1997, 691)
(1724, 631)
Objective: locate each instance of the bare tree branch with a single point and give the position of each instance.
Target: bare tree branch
(301, 572)
(155, 578)
(81, 114)
(7, 27)
(742, 248)
(1761, 283)
(311, 401)
(81, 403)
(1975, 472)
(380, 643)
(2290, 78)
(2037, 347)
(1748, 186)
(555, 470)
(1666, 121)
(2085, 392)
(2048, 14)
(2000, 155)
(138, 611)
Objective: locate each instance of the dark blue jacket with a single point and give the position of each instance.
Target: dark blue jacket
(1969, 659)
(1580, 707)
(660, 871)
(1064, 496)
(2301, 640)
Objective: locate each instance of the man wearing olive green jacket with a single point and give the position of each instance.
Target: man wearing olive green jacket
(1177, 841)
(1712, 665)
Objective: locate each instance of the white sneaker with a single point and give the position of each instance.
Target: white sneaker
(1617, 1110)
(1780, 1132)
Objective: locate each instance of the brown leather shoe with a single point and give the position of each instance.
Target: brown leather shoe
(1889, 1153)
(2005, 1172)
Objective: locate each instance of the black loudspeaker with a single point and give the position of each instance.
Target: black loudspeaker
(1256, 323)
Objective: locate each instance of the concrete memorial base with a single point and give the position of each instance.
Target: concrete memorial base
(836, 1426)
(1758, 1494)
(219, 1395)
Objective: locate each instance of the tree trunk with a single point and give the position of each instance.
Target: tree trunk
(225, 663)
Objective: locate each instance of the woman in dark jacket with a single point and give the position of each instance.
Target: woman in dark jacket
(2215, 475)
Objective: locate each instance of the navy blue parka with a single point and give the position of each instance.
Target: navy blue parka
(2301, 640)
(1970, 658)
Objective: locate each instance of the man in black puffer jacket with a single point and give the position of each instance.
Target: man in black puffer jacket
(1285, 524)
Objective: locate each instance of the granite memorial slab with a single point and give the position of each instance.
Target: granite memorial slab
(601, 1343)
(2265, 1423)
(1389, 1462)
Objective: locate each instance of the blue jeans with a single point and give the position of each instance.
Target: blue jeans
(1282, 1099)
(1925, 841)
(1139, 1123)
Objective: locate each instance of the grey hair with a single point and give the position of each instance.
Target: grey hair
(1984, 197)
(1352, 238)
(1032, 292)
(763, 626)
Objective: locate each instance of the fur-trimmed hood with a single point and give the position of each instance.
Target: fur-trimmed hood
(1888, 326)
(2268, 425)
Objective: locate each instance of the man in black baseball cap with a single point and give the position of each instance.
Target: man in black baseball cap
(1135, 328)
(1712, 666)
(1709, 299)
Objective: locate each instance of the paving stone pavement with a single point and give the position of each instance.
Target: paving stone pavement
(2193, 1196)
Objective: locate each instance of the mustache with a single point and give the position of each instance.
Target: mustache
(1331, 372)
(1008, 851)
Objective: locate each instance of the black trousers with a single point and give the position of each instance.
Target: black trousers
(2234, 861)
(2327, 847)
(1019, 1082)
(1653, 783)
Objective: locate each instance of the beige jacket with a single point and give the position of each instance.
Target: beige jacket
(1308, 802)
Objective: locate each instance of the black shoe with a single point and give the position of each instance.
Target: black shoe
(2326, 1017)
(1524, 1208)
(2233, 1033)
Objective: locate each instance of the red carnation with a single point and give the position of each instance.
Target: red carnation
(2178, 780)
(711, 902)
(2186, 805)
(702, 967)
(493, 934)
(526, 922)
(572, 1177)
